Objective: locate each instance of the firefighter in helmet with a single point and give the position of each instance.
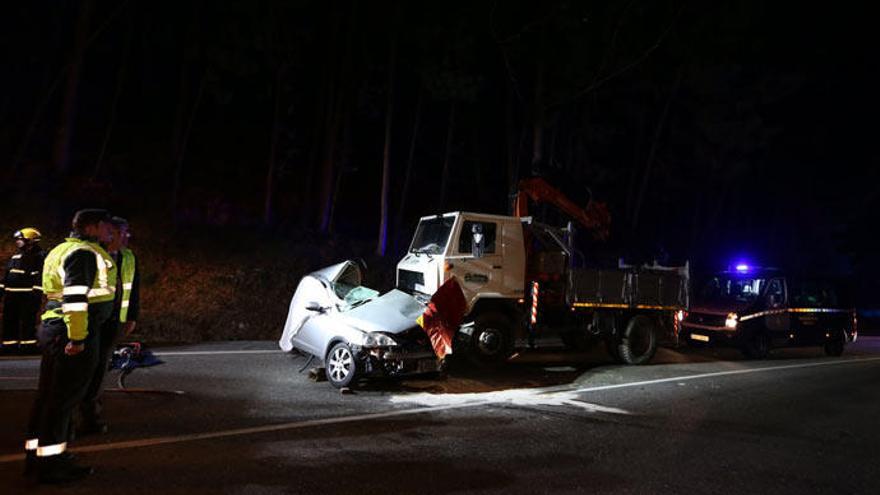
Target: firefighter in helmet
(21, 291)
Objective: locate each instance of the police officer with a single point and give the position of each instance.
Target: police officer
(125, 314)
(20, 289)
(77, 281)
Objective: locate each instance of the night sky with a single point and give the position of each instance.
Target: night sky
(712, 130)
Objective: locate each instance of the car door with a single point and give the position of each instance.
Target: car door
(777, 322)
(804, 305)
(320, 297)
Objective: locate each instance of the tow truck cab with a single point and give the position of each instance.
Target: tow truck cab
(758, 309)
(443, 247)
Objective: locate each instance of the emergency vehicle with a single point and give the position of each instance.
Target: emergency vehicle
(757, 309)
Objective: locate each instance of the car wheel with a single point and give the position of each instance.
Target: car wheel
(757, 346)
(492, 340)
(835, 347)
(340, 367)
(638, 343)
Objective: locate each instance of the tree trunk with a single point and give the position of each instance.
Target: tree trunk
(382, 241)
(181, 148)
(538, 117)
(273, 148)
(339, 101)
(444, 176)
(343, 168)
(652, 154)
(68, 110)
(114, 107)
(512, 149)
(407, 176)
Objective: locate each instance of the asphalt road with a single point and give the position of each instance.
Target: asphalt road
(693, 422)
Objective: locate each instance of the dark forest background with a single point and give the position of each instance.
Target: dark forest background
(254, 140)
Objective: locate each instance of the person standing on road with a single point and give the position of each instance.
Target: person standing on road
(21, 291)
(77, 281)
(125, 314)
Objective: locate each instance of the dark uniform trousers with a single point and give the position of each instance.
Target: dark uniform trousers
(107, 335)
(20, 310)
(63, 379)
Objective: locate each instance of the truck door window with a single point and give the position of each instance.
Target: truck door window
(775, 294)
(805, 294)
(465, 238)
(812, 294)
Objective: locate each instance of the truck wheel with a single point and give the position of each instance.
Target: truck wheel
(757, 346)
(638, 343)
(340, 366)
(835, 347)
(492, 340)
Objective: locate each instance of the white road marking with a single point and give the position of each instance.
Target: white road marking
(169, 353)
(723, 373)
(149, 442)
(214, 353)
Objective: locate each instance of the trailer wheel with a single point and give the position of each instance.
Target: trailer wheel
(492, 340)
(638, 343)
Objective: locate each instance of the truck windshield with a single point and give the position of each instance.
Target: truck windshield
(730, 289)
(432, 234)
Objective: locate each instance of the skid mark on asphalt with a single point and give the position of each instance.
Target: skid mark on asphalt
(562, 397)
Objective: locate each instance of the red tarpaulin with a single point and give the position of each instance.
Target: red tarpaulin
(443, 316)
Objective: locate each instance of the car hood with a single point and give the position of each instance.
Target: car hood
(394, 313)
(722, 308)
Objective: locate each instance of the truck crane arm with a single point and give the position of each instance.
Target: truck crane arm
(595, 217)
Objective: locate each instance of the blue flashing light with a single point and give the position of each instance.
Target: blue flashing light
(742, 268)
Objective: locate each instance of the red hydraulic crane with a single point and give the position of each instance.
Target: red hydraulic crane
(595, 216)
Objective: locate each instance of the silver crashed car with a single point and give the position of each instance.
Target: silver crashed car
(353, 330)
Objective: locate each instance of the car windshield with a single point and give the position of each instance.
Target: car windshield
(732, 289)
(432, 234)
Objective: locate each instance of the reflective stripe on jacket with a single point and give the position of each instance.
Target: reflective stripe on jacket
(77, 273)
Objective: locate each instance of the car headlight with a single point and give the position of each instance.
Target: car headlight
(378, 340)
(731, 320)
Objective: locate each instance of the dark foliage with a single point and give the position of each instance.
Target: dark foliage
(712, 129)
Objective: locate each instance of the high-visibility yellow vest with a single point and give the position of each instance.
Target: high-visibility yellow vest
(101, 289)
(127, 269)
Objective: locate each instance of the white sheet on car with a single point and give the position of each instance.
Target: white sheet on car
(310, 290)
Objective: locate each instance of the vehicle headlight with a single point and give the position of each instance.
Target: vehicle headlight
(378, 340)
(731, 321)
